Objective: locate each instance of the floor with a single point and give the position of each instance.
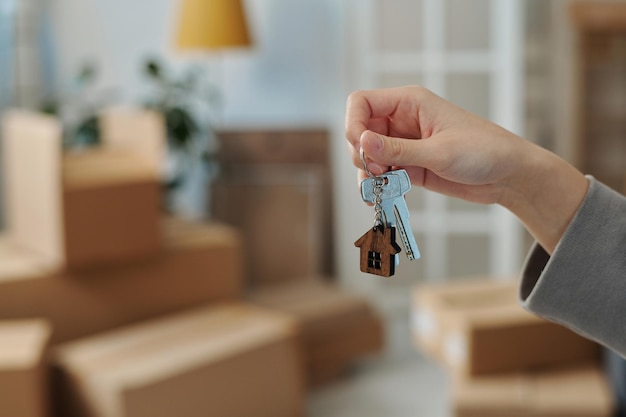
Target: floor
(399, 383)
(400, 387)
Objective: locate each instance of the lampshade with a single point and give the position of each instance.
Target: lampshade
(212, 24)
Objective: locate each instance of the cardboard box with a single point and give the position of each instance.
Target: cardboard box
(200, 263)
(111, 208)
(22, 368)
(78, 209)
(32, 197)
(227, 360)
(337, 327)
(435, 305)
(17, 263)
(580, 391)
(139, 132)
(478, 327)
(331, 357)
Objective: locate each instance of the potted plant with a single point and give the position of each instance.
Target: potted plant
(185, 101)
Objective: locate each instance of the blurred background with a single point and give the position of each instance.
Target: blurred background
(226, 117)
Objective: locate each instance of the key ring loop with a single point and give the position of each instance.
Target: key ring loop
(362, 155)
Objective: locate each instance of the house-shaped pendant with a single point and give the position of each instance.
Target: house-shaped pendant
(378, 249)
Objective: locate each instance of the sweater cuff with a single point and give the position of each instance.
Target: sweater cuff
(582, 285)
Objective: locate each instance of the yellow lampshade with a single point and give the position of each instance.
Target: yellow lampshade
(212, 24)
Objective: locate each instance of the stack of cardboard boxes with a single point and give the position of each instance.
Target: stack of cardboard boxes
(502, 359)
(107, 309)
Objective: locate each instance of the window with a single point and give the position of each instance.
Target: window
(469, 52)
(7, 9)
(373, 260)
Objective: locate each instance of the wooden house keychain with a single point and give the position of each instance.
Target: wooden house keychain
(378, 246)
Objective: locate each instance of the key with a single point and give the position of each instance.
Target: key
(394, 207)
(396, 214)
(395, 183)
(395, 211)
(379, 250)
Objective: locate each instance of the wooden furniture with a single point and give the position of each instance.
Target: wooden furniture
(601, 98)
(275, 187)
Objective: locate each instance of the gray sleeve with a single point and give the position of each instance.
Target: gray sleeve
(583, 284)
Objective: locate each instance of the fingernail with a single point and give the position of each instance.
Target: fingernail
(376, 142)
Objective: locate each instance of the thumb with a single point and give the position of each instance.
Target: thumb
(384, 151)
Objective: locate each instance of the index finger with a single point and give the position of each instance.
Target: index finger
(372, 110)
(359, 111)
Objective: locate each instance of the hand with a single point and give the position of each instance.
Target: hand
(442, 147)
(451, 151)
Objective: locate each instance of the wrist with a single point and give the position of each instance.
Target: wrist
(545, 193)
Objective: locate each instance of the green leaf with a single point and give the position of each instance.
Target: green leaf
(88, 133)
(181, 127)
(87, 73)
(153, 69)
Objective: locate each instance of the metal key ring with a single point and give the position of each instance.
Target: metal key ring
(362, 154)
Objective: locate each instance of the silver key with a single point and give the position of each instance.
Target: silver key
(395, 211)
(398, 210)
(395, 183)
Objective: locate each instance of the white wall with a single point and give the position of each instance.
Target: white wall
(290, 76)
